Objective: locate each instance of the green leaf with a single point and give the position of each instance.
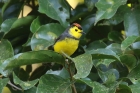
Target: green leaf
(53, 84)
(124, 88)
(115, 36)
(90, 4)
(113, 87)
(129, 41)
(62, 73)
(25, 85)
(96, 87)
(7, 24)
(77, 13)
(110, 76)
(132, 22)
(99, 88)
(31, 90)
(107, 8)
(119, 16)
(11, 9)
(135, 72)
(103, 54)
(45, 36)
(132, 26)
(35, 25)
(32, 57)
(15, 23)
(88, 23)
(23, 21)
(135, 88)
(6, 50)
(3, 83)
(55, 9)
(134, 81)
(105, 62)
(129, 60)
(95, 45)
(115, 47)
(83, 64)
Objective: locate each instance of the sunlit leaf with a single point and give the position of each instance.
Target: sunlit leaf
(24, 84)
(135, 72)
(83, 64)
(35, 25)
(55, 9)
(129, 60)
(6, 50)
(96, 87)
(129, 41)
(45, 36)
(107, 8)
(135, 88)
(53, 84)
(31, 58)
(103, 54)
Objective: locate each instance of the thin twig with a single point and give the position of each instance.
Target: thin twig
(71, 77)
(14, 86)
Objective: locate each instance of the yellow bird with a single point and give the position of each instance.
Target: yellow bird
(68, 41)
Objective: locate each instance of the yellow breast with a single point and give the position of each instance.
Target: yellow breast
(68, 46)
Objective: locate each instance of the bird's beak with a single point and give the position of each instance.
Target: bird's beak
(83, 32)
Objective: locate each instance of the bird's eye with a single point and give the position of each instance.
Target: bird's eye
(76, 30)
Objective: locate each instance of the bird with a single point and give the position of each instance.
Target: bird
(68, 42)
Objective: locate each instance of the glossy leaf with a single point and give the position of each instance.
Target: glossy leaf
(58, 10)
(7, 24)
(105, 62)
(45, 36)
(119, 16)
(129, 60)
(129, 41)
(62, 73)
(135, 72)
(115, 47)
(110, 76)
(132, 25)
(90, 4)
(135, 88)
(124, 88)
(115, 36)
(103, 54)
(95, 45)
(107, 8)
(15, 23)
(96, 87)
(11, 9)
(6, 50)
(77, 13)
(32, 57)
(83, 64)
(31, 90)
(35, 25)
(113, 87)
(53, 84)
(24, 84)
(88, 23)
(132, 22)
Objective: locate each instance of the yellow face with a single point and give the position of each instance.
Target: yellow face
(75, 32)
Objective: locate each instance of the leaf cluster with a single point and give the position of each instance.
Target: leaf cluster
(106, 61)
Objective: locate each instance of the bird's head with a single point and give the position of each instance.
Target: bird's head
(75, 30)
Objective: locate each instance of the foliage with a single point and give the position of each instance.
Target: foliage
(107, 60)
